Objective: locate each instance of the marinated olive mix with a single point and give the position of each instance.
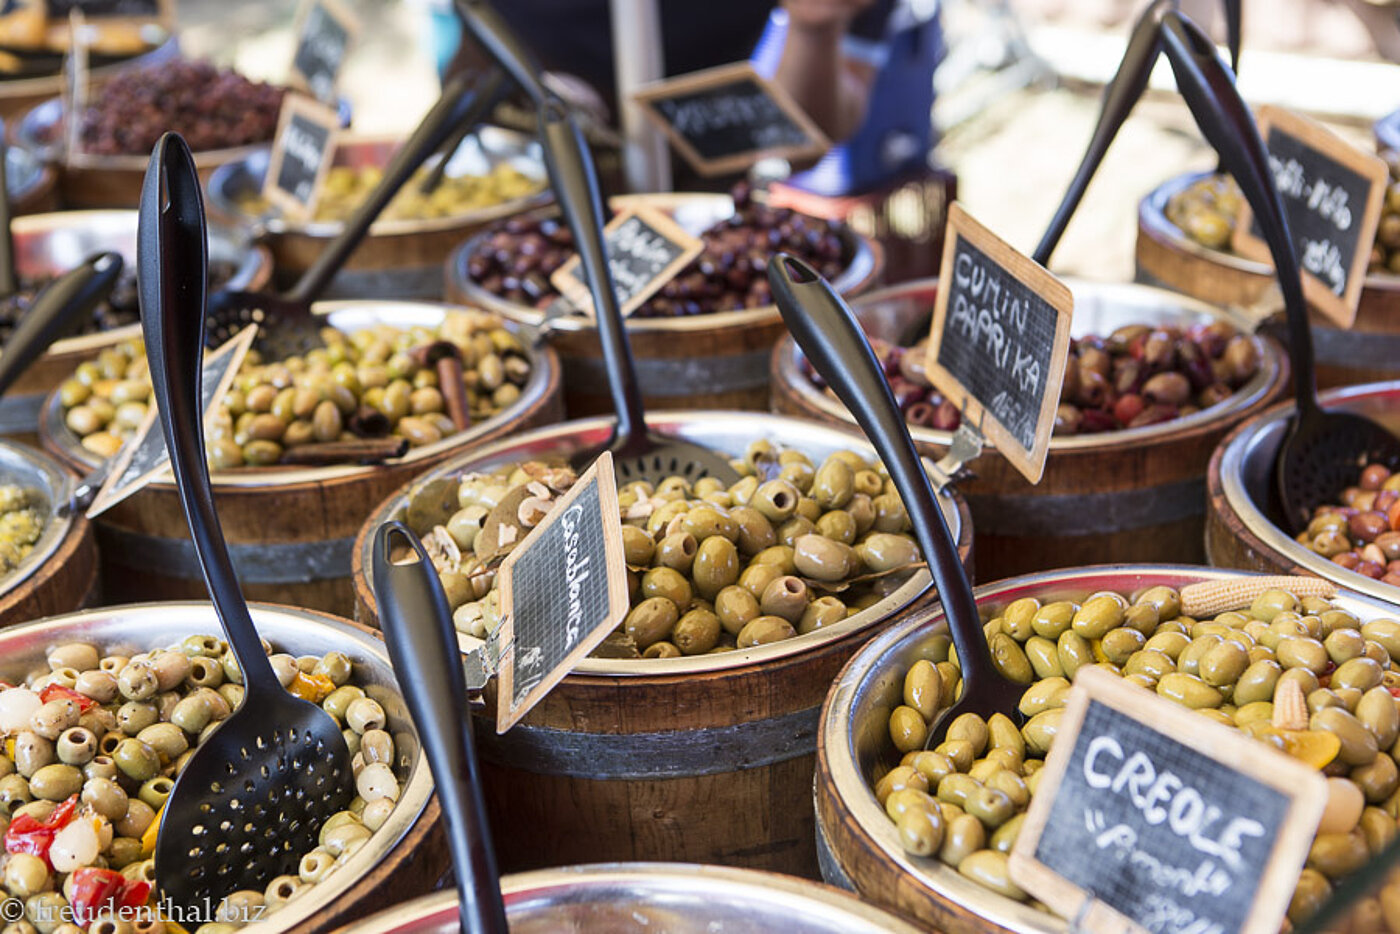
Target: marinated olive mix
(211, 108)
(790, 548)
(22, 521)
(119, 309)
(1303, 676)
(347, 186)
(93, 743)
(1362, 533)
(516, 257)
(1206, 211)
(370, 383)
(1138, 375)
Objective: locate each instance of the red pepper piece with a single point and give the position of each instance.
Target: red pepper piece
(27, 835)
(59, 692)
(96, 889)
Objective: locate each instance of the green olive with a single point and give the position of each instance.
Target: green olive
(923, 688)
(964, 836)
(1009, 659)
(1377, 780)
(136, 760)
(1311, 891)
(1358, 744)
(1302, 652)
(1223, 664)
(1361, 673)
(883, 551)
(1385, 632)
(1343, 645)
(1044, 657)
(1257, 682)
(716, 566)
(755, 530)
(651, 621)
(921, 830)
(1377, 712)
(907, 729)
(1338, 854)
(992, 807)
(1149, 662)
(1048, 694)
(706, 521)
(677, 551)
(735, 607)
(838, 525)
(1054, 619)
(1189, 691)
(990, 869)
(833, 485)
(1074, 653)
(787, 597)
(1039, 731)
(1098, 616)
(1118, 645)
(1019, 618)
(762, 630)
(637, 546)
(821, 612)
(56, 782)
(697, 632)
(775, 500)
(669, 583)
(821, 558)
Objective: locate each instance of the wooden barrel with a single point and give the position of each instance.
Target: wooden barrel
(48, 244)
(1136, 495)
(1243, 527)
(18, 97)
(405, 857)
(704, 759)
(289, 530)
(398, 258)
(863, 852)
(60, 574)
(712, 361)
(1368, 352)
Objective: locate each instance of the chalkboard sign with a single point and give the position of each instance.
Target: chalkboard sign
(157, 10)
(646, 249)
(144, 459)
(1151, 817)
(1332, 195)
(725, 119)
(999, 340)
(325, 31)
(301, 156)
(562, 590)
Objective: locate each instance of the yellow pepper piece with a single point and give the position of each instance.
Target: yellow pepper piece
(1096, 645)
(10, 749)
(148, 839)
(313, 688)
(1316, 748)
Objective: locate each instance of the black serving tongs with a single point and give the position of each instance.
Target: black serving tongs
(417, 627)
(254, 794)
(288, 327)
(1323, 450)
(827, 331)
(638, 452)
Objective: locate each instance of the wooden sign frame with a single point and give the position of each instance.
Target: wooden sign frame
(1303, 786)
(614, 566)
(577, 292)
(112, 490)
(717, 77)
(1340, 309)
(294, 105)
(1030, 462)
(337, 11)
(77, 82)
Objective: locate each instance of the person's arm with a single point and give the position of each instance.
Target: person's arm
(832, 90)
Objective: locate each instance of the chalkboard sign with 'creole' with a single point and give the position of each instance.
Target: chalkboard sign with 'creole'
(301, 156)
(325, 31)
(1332, 195)
(562, 590)
(646, 249)
(1151, 817)
(725, 119)
(999, 341)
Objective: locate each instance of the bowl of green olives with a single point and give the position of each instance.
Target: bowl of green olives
(1185, 226)
(926, 833)
(496, 173)
(701, 710)
(48, 559)
(103, 708)
(1349, 539)
(372, 380)
(639, 898)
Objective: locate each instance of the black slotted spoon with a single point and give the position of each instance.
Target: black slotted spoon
(286, 325)
(253, 797)
(1323, 451)
(827, 331)
(638, 452)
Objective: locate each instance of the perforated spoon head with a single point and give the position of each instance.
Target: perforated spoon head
(666, 457)
(286, 327)
(1323, 454)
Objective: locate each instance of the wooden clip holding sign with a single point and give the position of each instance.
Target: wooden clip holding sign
(562, 590)
(301, 156)
(1153, 818)
(1000, 339)
(326, 29)
(724, 119)
(144, 459)
(1332, 196)
(646, 249)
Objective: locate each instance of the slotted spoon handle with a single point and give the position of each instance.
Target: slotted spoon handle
(417, 627)
(465, 101)
(575, 183)
(60, 305)
(1119, 98)
(826, 330)
(172, 274)
(1225, 121)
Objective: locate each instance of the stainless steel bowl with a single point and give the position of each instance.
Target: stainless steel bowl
(728, 432)
(1387, 130)
(854, 733)
(143, 626)
(695, 213)
(651, 898)
(347, 316)
(33, 469)
(24, 173)
(1247, 479)
(1099, 308)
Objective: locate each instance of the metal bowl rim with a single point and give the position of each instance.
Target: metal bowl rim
(1250, 394)
(541, 374)
(57, 487)
(897, 602)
